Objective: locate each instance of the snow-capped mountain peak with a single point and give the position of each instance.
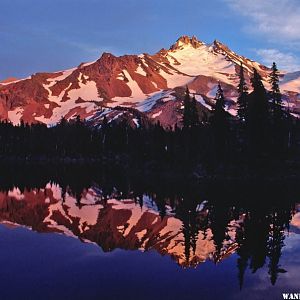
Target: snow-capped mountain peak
(146, 83)
(185, 41)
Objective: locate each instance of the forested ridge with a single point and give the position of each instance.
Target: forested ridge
(262, 132)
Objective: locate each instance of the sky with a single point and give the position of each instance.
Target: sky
(52, 35)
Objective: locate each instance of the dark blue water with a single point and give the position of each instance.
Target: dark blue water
(69, 263)
(52, 266)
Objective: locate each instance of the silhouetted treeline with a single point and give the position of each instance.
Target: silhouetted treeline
(67, 139)
(263, 132)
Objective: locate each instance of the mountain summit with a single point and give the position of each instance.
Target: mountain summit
(151, 85)
(186, 40)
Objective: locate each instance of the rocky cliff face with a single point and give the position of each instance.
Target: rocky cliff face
(151, 84)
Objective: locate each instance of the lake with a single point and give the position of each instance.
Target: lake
(81, 235)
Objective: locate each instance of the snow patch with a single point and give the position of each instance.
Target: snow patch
(200, 99)
(87, 92)
(157, 114)
(16, 193)
(15, 115)
(149, 103)
(136, 122)
(140, 71)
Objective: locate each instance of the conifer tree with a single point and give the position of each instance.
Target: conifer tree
(258, 116)
(276, 99)
(219, 114)
(220, 125)
(280, 127)
(275, 90)
(243, 96)
(190, 114)
(259, 106)
(194, 113)
(187, 109)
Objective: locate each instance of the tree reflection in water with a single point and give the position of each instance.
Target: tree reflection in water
(191, 222)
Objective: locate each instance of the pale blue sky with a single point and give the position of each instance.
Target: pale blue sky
(50, 35)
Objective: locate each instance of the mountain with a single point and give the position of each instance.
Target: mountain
(152, 86)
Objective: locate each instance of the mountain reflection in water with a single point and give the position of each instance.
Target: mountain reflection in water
(182, 224)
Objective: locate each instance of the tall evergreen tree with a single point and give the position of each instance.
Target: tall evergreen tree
(190, 114)
(258, 117)
(218, 118)
(220, 126)
(275, 90)
(194, 113)
(260, 101)
(243, 96)
(259, 105)
(280, 127)
(187, 109)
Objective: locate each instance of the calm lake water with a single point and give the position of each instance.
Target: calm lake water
(98, 239)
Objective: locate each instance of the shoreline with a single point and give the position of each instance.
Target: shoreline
(238, 173)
